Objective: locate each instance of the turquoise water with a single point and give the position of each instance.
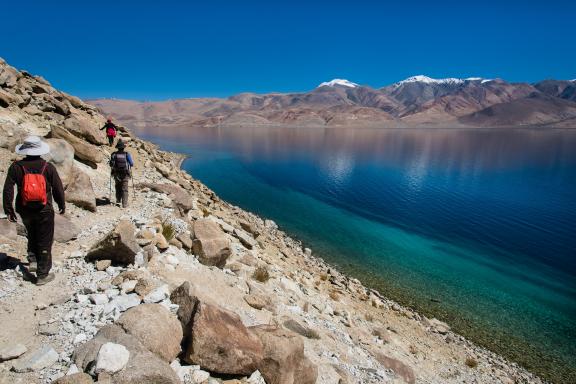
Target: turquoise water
(473, 227)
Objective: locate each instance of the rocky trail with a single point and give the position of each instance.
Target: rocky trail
(182, 287)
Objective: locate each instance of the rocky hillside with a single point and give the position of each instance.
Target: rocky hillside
(183, 287)
(418, 101)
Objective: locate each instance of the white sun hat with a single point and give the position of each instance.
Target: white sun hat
(33, 146)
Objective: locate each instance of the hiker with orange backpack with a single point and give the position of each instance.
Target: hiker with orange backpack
(37, 182)
(111, 130)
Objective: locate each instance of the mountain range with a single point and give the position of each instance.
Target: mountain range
(418, 101)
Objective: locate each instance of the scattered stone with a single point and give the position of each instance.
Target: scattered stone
(246, 240)
(102, 265)
(161, 242)
(125, 302)
(42, 358)
(128, 286)
(9, 352)
(80, 338)
(298, 328)
(98, 298)
(257, 301)
(157, 295)
(111, 358)
(49, 329)
(199, 376)
(185, 240)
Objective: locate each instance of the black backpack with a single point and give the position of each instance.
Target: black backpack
(119, 163)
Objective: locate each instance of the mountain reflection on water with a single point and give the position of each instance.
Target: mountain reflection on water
(480, 221)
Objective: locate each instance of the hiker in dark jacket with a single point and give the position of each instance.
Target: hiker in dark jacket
(121, 165)
(111, 130)
(37, 182)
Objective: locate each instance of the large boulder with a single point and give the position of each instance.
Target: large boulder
(80, 191)
(119, 245)
(85, 128)
(83, 151)
(64, 229)
(220, 343)
(210, 244)
(184, 296)
(62, 156)
(155, 327)
(181, 199)
(284, 361)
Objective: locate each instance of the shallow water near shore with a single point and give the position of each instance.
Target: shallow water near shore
(475, 227)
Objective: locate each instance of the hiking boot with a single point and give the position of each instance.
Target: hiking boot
(45, 279)
(32, 266)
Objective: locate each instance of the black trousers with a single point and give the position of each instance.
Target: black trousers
(121, 184)
(40, 232)
(110, 140)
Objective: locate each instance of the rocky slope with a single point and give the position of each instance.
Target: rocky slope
(414, 102)
(183, 287)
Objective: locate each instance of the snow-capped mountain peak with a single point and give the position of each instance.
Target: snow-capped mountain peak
(429, 80)
(338, 82)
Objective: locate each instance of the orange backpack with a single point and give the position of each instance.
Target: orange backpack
(34, 187)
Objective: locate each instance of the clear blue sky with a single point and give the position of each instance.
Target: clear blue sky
(167, 49)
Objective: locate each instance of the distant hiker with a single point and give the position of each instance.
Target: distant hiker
(111, 130)
(37, 182)
(121, 164)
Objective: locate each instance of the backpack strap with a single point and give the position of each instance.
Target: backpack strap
(44, 167)
(26, 171)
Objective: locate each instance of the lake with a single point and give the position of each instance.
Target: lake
(475, 227)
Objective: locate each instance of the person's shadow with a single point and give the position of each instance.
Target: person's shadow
(9, 262)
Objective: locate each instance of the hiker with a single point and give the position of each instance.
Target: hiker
(111, 130)
(121, 164)
(37, 182)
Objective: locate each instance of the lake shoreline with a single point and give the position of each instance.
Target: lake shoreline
(408, 311)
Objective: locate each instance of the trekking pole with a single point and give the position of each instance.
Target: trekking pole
(133, 189)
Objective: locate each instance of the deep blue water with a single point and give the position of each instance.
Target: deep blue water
(476, 227)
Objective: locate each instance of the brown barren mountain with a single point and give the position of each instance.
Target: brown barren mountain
(415, 102)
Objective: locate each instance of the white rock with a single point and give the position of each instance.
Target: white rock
(173, 260)
(82, 299)
(128, 286)
(256, 378)
(98, 298)
(157, 295)
(111, 358)
(72, 370)
(42, 358)
(199, 376)
(80, 338)
(125, 302)
(9, 352)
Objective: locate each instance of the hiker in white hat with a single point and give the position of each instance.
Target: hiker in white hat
(37, 182)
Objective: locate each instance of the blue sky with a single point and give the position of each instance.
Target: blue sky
(168, 49)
